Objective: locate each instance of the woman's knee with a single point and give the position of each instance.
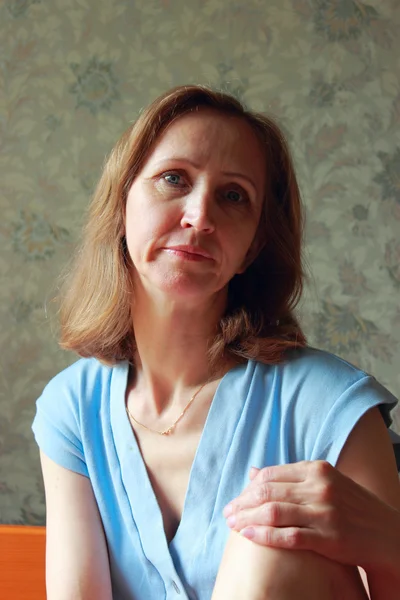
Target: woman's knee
(256, 573)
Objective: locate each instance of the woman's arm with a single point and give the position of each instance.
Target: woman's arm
(368, 459)
(77, 566)
(350, 514)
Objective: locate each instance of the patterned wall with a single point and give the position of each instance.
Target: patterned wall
(74, 73)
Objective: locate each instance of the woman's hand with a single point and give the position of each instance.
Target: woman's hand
(312, 506)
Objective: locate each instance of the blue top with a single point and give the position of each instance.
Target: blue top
(302, 409)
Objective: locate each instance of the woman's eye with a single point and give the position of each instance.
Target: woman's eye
(236, 197)
(173, 178)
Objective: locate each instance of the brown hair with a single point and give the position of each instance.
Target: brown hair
(258, 323)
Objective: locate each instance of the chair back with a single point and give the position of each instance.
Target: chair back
(22, 562)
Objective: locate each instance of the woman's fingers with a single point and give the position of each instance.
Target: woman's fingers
(272, 514)
(257, 494)
(291, 472)
(253, 473)
(291, 538)
(300, 483)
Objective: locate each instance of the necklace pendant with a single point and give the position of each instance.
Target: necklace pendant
(173, 426)
(168, 431)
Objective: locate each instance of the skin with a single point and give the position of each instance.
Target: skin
(188, 196)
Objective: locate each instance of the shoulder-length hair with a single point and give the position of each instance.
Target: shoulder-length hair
(259, 322)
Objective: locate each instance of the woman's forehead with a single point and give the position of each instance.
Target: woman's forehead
(208, 136)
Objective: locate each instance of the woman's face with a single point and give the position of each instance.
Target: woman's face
(193, 210)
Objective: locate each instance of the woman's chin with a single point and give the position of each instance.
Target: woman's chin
(184, 290)
(184, 287)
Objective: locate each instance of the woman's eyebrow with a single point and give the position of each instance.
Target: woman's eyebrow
(197, 166)
(241, 176)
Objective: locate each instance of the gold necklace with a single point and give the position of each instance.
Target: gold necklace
(170, 429)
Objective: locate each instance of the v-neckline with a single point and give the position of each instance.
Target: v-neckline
(203, 474)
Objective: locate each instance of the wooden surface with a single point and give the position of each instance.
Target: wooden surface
(22, 562)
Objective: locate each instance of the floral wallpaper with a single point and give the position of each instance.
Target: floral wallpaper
(75, 73)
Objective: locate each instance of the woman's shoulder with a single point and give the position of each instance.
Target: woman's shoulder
(319, 398)
(309, 374)
(310, 361)
(82, 369)
(312, 365)
(81, 384)
(72, 409)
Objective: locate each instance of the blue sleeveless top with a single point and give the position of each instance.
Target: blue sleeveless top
(302, 409)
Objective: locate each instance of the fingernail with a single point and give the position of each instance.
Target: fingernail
(231, 521)
(228, 510)
(247, 533)
(253, 472)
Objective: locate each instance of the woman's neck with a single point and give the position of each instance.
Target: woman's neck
(172, 342)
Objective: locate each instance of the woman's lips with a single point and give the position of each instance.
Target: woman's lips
(194, 253)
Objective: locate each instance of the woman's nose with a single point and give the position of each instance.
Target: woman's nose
(198, 212)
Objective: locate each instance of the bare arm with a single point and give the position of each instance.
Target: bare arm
(349, 514)
(77, 566)
(368, 459)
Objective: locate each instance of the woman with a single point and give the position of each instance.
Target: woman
(184, 289)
